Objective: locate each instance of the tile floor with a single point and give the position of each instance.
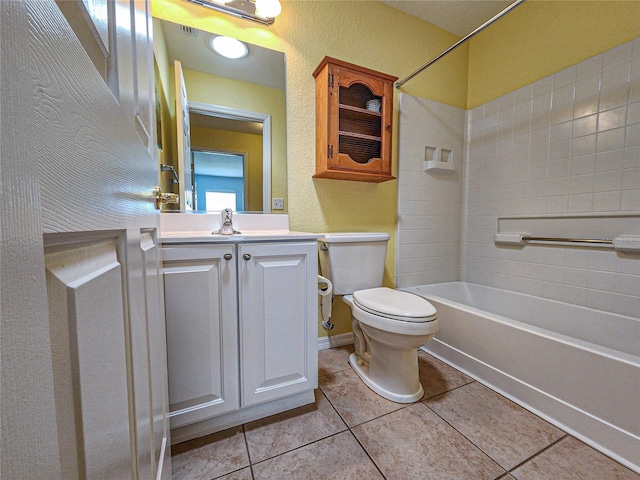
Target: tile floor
(459, 430)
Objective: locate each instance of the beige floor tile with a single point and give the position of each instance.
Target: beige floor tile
(334, 360)
(337, 457)
(415, 443)
(286, 431)
(570, 459)
(354, 401)
(437, 377)
(503, 430)
(208, 457)
(244, 474)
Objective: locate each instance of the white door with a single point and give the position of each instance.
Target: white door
(184, 141)
(82, 338)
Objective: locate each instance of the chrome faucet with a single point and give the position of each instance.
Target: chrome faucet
(227, 223)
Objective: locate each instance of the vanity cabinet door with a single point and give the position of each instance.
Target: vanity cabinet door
(278, 319)
(202, 331)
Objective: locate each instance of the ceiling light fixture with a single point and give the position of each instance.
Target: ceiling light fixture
(229, 47)
(261, 11)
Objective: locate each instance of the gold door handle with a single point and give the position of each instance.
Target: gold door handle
(164, 198)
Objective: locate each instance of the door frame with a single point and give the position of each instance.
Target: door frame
(246, 116)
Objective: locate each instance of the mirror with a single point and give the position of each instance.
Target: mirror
(235, 126)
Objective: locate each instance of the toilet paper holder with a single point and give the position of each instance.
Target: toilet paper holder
(325, 301)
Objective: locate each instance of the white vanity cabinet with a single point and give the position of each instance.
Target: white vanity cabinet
(241, 331)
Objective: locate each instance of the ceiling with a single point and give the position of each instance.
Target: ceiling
(457, 16)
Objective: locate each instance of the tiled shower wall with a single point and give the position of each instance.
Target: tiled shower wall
(429, 204)
(566, 144)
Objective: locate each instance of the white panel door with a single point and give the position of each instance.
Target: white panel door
(78, 385)
(184, 141)
(278, 319)
(202, 331)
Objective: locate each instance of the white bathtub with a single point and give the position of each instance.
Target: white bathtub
(576, 367)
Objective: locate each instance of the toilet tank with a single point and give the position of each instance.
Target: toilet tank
(353, 261)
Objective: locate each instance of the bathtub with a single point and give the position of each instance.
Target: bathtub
(576, 367)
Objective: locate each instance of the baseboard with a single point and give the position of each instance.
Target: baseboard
(335, 341)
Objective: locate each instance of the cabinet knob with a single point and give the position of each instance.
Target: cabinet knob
(247, 256)
(228, 256)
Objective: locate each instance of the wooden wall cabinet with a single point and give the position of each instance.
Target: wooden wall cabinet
(354, 110)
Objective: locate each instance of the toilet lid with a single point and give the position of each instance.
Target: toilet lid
(395, 304)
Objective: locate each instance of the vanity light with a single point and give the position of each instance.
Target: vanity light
(229, 47)
(261, 11)
(268, 8)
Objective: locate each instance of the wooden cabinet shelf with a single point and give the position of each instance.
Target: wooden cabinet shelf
(354, 110)
(361, 136)
(359, 112)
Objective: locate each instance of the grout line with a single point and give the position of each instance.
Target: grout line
(297, 448)
(467, 438)
(246, 444)
(489, 456)
(349, 429)
(538, 453)
(448, 391)
(367, 454)
(306, 444)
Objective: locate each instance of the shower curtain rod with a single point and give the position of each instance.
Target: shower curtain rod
(460, 42)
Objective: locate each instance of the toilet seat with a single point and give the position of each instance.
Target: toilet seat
(395, 305)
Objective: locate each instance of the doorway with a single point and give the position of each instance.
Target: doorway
(219, 180)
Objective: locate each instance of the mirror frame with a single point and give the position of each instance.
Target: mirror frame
(246, 115)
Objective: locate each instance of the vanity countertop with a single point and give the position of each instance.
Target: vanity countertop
(180, 228)
(245, 236)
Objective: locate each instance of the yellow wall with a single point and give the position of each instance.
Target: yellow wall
(236, 142)
(539, 38)
(367, 33)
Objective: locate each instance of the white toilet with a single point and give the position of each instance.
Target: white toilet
(388, 325)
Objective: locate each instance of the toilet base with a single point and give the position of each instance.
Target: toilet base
(362, 370)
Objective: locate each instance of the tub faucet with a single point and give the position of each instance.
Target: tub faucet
(227, 223)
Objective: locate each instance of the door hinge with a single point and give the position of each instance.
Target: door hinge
(330, 151)
(331, 80)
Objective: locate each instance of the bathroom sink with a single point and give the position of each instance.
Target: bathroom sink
(198, 227)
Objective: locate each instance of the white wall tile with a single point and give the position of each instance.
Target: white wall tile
(565, 144)
(430, 205)
(610, 140)
(583, 149)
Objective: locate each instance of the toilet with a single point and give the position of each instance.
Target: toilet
(388, 325)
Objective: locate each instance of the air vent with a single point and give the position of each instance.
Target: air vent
(192, 32)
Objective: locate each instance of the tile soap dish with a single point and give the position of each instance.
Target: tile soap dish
(438, 160)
